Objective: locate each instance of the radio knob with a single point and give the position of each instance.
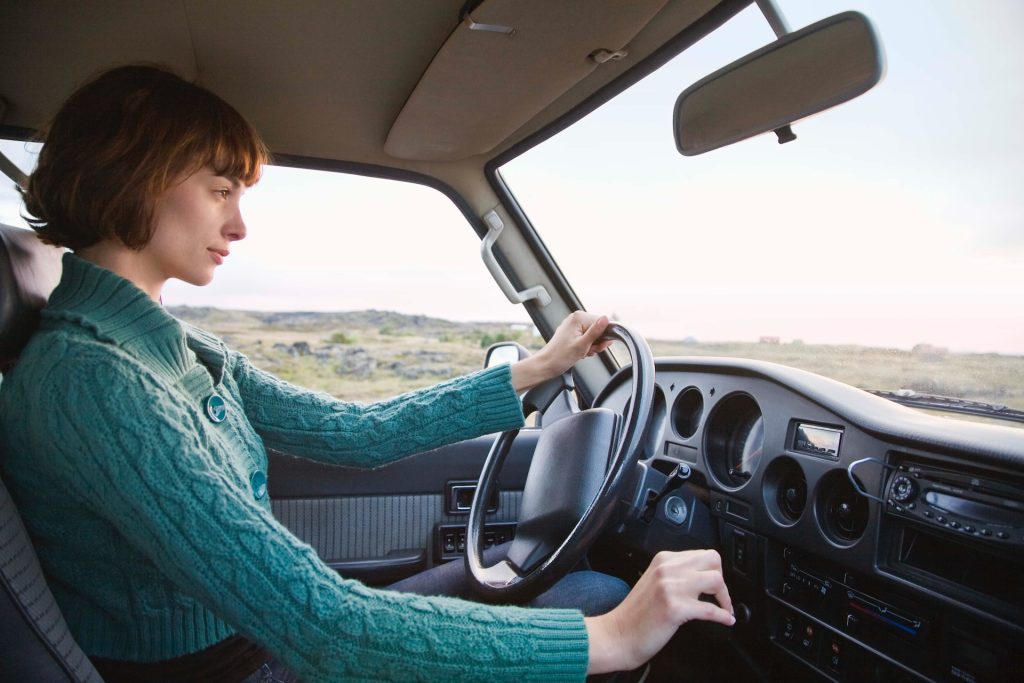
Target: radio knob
(903, 488)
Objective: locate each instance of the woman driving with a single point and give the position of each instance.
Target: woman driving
(135, 445)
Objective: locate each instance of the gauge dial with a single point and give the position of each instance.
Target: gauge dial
(735, 440)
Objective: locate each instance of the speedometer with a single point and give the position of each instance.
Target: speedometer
(735, 440)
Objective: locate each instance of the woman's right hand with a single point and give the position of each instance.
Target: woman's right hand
(666, 597)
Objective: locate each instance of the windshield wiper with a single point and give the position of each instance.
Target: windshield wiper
(909, 397)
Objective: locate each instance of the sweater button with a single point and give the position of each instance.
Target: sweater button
(258, 481)
(216, 408)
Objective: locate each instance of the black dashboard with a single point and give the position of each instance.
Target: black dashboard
(861, 540)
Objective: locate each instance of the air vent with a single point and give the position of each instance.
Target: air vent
(842, 512)
(785, 491)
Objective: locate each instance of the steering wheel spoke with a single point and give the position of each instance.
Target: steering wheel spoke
(500, 575)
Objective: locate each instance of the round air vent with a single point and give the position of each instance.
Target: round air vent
(842, 512)
(785, 491)
(687, 411)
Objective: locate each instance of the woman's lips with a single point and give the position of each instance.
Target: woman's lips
(218, 255)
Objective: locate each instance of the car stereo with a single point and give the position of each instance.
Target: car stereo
(963, 503)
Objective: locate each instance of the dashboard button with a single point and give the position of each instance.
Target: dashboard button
(954, 524)
(940, 519)
(834, 655)
(788, 630)
(969, 529)
(985, 532)
(808, 638)
(1002, 534)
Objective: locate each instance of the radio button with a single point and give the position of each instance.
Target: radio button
(985, 532)
(969, 529)
(940, 519)
(1002, 534)
(927, 513)
(954, 525)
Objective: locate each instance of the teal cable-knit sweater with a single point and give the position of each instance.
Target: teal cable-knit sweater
(152, 521)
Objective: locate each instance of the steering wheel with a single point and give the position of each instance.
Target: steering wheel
(580, 465)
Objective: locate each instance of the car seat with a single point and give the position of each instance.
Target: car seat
(35, 643)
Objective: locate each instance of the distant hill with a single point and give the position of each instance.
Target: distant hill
(205, 316)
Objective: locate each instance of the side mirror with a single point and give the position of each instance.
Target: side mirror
(504, 352)
(800, 74)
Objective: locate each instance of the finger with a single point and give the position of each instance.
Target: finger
(711, 583)
(707, 583)
(706, 559)
(712, 612)
(724, 600)
(595, 330)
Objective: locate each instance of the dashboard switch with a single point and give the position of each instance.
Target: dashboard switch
(789, 629)
(740, 551)
(808, 639)
(834, 655)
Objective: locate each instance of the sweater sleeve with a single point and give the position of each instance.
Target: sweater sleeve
(317, 426)
(139, 460)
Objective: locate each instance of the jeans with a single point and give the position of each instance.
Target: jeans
(590, 592)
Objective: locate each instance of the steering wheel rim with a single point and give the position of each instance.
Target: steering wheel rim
(505, 581)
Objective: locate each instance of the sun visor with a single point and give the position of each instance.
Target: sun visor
(505, 62)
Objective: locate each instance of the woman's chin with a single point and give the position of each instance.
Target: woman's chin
(197, 279)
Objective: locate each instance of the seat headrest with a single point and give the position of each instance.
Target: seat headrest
(29, 270)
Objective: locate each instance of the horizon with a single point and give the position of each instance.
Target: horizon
(688, 340)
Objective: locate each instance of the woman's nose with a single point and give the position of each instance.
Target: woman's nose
(236, 230)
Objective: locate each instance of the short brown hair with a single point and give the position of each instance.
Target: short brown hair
(120, 142)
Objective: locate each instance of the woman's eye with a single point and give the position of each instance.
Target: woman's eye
(224, 193)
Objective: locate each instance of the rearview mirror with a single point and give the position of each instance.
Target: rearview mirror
(802, 73)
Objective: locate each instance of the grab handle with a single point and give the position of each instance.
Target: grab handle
(494, 228)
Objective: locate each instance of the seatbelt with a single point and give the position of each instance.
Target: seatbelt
(10, 170)
(8, 167)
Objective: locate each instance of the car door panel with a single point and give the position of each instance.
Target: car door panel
(384, 524)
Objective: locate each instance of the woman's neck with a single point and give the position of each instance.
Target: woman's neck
(128, 263)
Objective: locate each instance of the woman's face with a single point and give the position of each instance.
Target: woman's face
(195, 223)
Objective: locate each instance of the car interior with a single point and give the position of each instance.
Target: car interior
(862, 540)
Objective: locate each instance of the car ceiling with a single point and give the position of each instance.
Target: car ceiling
(393, 83)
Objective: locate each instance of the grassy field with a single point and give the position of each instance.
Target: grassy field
(365, 355)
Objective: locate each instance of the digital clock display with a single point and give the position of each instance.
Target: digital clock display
(815, 440)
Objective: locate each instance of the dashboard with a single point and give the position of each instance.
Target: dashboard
(861, 540)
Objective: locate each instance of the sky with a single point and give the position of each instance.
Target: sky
(894, 219)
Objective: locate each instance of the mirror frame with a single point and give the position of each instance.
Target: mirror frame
(859, 89)
(498, 348)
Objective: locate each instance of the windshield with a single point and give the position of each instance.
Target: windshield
(883, 248)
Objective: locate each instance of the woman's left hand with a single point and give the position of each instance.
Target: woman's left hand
(577, 337)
